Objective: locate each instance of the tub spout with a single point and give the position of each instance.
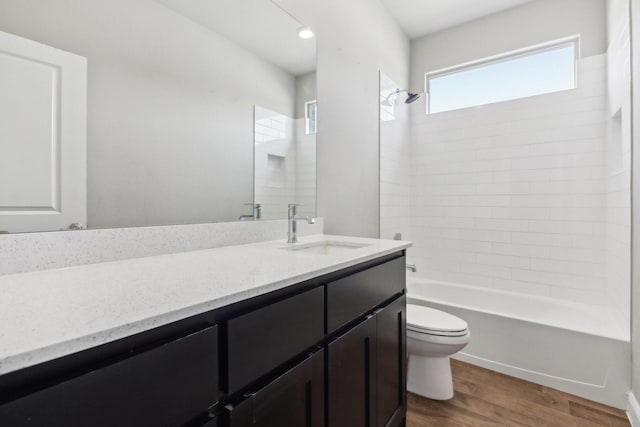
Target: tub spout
(412, 267)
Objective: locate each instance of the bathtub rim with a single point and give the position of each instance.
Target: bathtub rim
(622, 334)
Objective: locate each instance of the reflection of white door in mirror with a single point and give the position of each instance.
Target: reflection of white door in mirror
(43, 99)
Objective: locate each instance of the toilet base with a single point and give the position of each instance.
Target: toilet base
(430, 377)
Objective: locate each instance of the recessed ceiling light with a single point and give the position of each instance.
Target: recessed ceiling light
(305, 32)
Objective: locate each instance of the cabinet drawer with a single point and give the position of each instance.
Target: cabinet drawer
(294, 399)
(165, 386)
(358, 293)
(262, 339)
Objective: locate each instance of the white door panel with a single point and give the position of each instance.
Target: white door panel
(42, 136)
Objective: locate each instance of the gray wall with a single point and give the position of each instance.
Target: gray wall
(170, 109)
(356, 38)
(527, 25)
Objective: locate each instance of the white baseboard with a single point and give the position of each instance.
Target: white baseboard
(609, 394)
(633, 410)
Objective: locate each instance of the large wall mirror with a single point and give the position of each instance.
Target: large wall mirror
(183, 99)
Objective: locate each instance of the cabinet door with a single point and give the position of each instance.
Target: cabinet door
(352, 377)
(165, 386)
(392, 357)
(295, 399)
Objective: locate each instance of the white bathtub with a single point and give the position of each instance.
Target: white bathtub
(578, 348)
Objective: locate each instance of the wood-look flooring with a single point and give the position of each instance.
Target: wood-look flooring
(487, 398)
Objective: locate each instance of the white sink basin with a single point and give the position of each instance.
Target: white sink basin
(326, 247)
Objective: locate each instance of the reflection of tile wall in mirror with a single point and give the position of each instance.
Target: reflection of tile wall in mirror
(180, 80)
(306, 145)
(274, 162)
(284, 164)
(305, 170)
(276, 171)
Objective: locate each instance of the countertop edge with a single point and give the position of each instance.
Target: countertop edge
(22, 360)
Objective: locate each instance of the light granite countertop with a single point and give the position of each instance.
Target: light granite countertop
(53, 313)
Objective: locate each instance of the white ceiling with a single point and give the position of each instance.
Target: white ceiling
(264, 29)
(258, 26)
(420, 17)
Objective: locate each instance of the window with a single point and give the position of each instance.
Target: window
(536, 71)
(311, 117)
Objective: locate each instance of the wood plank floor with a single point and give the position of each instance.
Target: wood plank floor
(488, 398)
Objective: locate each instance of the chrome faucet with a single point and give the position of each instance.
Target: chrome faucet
(412, 267)
(293, 222)
(256, 215)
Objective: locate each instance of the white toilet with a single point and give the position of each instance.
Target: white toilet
(432, 336)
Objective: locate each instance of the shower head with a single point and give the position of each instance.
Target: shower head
(411, 97)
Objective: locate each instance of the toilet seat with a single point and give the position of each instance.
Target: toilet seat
(430, 321)
(437, 333)
(444, 340)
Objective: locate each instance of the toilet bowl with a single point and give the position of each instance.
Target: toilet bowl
(432, 336)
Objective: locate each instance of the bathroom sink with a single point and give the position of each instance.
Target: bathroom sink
(326, 247)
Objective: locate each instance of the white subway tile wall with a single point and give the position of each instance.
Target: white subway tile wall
(618, 164)
(511, 195)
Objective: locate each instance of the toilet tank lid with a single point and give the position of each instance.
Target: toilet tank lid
(428, 318)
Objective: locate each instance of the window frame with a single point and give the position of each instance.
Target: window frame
(307, 121)
(504, 57)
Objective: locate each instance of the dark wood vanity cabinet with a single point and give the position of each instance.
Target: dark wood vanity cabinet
(165, 386)
(391, 358)
(262, 339)
(211, 423)
(354, 295)
(352, 377)
(367, 370)
(293, 399)
(330, 351)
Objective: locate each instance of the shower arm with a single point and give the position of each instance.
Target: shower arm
(410, 96)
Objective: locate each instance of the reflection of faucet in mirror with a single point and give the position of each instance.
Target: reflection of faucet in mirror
(293, 222)
(257, 213)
